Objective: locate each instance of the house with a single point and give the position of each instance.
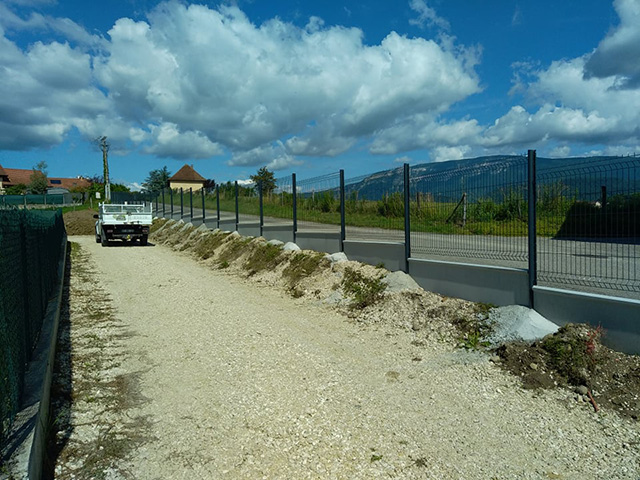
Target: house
(187, 178)
(14, 176)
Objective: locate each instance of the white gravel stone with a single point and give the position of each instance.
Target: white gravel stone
(290, 247)
(337, 257)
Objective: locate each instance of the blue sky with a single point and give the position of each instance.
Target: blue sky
(313, 87)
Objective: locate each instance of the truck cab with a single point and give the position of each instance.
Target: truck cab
(127, 222)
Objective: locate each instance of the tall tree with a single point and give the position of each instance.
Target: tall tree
(266, 178)
(157, 180)
(38, 180)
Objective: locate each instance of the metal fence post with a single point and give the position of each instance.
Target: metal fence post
(218, 206)
(171, 198)
(407, 216)
(157, 204)
(343, 235)
(203, 212)
(533, 258)
(260, 199)
(191, 203)
(181, 203)
(237, 210)
(163, 202)
(295, 206)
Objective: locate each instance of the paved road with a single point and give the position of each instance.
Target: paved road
(607, 268)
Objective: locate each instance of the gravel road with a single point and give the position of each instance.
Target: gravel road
(242, 381)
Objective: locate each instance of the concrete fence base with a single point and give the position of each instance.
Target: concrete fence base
(619, 317)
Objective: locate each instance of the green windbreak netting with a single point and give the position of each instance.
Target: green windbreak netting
(30, 249)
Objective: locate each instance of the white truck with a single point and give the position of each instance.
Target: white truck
(126, 221)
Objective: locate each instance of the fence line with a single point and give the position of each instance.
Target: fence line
(30, 248)
(575, 225)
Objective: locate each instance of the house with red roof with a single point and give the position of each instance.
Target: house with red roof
(14, 176)
(187, 178)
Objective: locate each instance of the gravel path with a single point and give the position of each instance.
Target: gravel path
(242, 381)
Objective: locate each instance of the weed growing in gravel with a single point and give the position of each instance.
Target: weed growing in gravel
(157, 224)
(233, 249)
(474, 328)
(572, 355)
(364, 291)
(263, 257)
(301, 265)
(206, 247)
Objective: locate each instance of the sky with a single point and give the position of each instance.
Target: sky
(312, 87)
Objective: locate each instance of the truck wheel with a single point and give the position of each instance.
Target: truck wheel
(97, 238)
(144, 240)
(103, 240)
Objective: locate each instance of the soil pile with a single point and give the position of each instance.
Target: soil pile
(574, 358)
(79, 222)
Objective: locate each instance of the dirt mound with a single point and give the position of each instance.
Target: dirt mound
(573, 357)
(80, 222)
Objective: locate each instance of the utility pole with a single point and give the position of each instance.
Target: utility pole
(107, 186)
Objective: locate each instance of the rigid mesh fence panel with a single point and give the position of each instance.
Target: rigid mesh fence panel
(374, 206)
(278, 204)
(227, 201)
(30, 248)
(248, 203)
(476, 214)
(318, 203)
(588, 210)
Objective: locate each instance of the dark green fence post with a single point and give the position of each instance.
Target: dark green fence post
(218, 206)
(171, 198)
(191, 203)
(181, 203)
(261, 206)
(203, 214)
(237, 211)
(407, 215)
(294, 191)
(163, 203)
(343, 234)
(533, 254)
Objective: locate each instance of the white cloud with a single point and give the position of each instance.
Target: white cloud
(274, 157)
(246, 86)
(560, 151)
(618, 53)
(427, 15)
(169, 141)
(442, 154)
(403, 159)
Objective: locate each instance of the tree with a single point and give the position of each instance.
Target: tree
(157, 180)
(266, 178)
(19, 189)
(39, 182)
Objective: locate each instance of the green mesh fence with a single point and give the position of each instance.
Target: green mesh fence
(30, 249)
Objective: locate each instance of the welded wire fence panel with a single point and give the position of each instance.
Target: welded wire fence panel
(227, 194)
(476, 214)
(590, 211)
(30, 248)
(318, 203)
(278, 204)
(248, 203)
(374, 206)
